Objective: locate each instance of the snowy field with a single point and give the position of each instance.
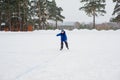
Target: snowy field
(93, 55)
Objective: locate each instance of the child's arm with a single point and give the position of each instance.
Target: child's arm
(58, 34)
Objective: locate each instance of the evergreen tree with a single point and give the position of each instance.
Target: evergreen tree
(39, 12)
(116, 11)
(93, 8)
(55, 12)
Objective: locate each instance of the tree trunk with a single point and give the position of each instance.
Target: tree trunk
(25, 16)
(9, 16)
(19, 15)
(93, 20)
(39, 14)
(56, 24)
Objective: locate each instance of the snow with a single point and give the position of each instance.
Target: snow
(93, 55)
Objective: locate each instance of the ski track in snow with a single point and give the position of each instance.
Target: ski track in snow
(38, 66)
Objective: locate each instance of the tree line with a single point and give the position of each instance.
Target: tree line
(14, 13)
(20, 13)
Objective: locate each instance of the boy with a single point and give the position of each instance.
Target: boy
(63, 39)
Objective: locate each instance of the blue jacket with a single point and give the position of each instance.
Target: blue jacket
(63, 36)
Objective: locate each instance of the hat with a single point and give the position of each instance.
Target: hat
(62, 30)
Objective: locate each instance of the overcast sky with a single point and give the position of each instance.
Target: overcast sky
(72, 13)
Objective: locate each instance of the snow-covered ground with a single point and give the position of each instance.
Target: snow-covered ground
(93, 55)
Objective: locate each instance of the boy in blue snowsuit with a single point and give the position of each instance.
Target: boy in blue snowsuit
(63, 39)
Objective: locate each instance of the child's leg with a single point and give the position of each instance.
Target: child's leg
(66, 44)
(61, 45)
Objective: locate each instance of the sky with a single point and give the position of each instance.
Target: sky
(72, 13)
